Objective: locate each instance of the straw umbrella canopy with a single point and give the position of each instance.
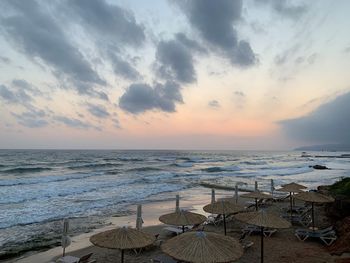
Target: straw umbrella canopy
(295, 186)
(314, 197)
(223, 207)
(256, 195)
(182, 218)
(291, 189)
(263, 219)
(122, 238)
(203, 247)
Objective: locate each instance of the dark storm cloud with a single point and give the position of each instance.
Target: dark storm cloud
(175, 61)
(330, 123)
(109, 21)
(214, 20)
(139, 98)
(34, 32)
(98, 111)
(33, 118)
(71, 122)
(214, 104)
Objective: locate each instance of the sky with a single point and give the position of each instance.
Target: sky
(166, 74)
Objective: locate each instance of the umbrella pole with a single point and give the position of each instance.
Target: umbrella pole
(122, 259)
(256, 204)
(291, 206)
(262, 245)
(225, 223)
(64, 251)
(313, 216)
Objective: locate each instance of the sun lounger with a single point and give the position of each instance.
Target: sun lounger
(214, 220)
(327, 235)
(244, 242)
(72, 259)
(250, 229)
(303, 219)
(174, 230)
(163, 259)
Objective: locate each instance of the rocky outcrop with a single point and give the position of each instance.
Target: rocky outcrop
(319, 167)
(342, 244)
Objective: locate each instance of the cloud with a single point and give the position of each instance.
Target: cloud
(140, 98)
(98, 111)
(72, 122)
(190, 43)
(32, 118)
(214, 104)
(123, 68)
(329, 123)
(35, 33)
(23, 84)
(14, 96)
(5, 60)
(112, 28)
(215, 20)
(285, 8)
(239, 93)
(109, 21)
(347, 50)
(175, 61)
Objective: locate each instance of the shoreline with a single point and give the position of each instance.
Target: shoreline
(150, 213)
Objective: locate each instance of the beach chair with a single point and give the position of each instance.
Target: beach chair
(303, 219)
(173, 230)
(244, 242)
(214, 220)
(72, 259)
(327, 235)
(250, 229)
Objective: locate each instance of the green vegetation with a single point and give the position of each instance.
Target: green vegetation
(341, 188)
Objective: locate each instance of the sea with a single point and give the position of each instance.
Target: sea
(38, 188)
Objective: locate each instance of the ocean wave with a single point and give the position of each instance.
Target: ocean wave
(93, 165)
(254, 162)
(46, 179)
(145, 169)
(217, 169)
(28, 195)
(186, 164)
(21, 170)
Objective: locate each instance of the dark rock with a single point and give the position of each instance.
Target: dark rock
(342, 244)
(319, 167)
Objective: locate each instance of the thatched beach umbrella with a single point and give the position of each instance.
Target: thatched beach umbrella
(256, 195)
(122, 238)
(182, 218)
(203, 247)
(223, 207)
(263, 219)
(313, 198)
(291, 189)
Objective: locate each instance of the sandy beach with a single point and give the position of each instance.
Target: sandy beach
(283, 246)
